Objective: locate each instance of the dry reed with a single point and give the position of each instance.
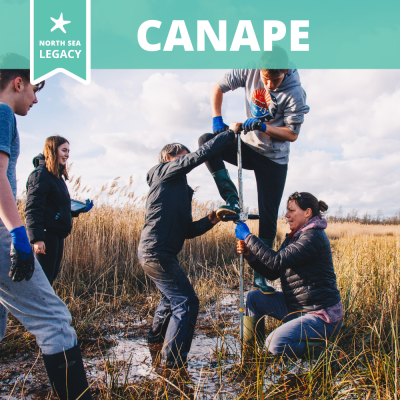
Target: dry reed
(101, 275)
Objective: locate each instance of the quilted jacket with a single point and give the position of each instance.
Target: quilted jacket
(305, 268)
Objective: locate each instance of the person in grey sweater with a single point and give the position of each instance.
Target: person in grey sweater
(275, 105)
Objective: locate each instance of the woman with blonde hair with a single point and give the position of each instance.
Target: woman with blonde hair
(48, 215)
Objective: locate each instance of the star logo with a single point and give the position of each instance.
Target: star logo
(59, 23)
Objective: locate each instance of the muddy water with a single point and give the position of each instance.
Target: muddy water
(214, 352)
(133, 360)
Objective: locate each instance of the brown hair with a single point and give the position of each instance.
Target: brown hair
(8, 75)
(50, 153)
(306, 200)
(172, 149)
(274, 62)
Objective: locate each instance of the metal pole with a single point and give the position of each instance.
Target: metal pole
(241, 288)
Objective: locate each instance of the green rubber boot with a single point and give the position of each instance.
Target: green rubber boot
(259, 282)
(314, 349)
(228, 192)
(253, 333)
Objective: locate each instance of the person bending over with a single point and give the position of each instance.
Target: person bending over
(48, 215)
(168, 223)
(309, 303)
(25, 291)
(275, 105)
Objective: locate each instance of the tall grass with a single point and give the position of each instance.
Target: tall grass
(101, 275)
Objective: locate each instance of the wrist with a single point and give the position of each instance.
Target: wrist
(18, 232)
(247, 238)
(20, 239)
(264, 127)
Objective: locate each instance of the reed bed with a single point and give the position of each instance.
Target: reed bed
(101, 277)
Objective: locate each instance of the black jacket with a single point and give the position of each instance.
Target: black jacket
(305, 268)
(48, 204)
(168, 207)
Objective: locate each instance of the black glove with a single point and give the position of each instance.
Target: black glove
(22, 265)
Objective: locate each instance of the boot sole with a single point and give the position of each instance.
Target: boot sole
(224, 211)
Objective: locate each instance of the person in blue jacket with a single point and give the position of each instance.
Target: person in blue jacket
(168, 223)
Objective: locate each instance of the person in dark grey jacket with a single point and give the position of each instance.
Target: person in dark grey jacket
(48, 215)
(309, 303)
(168, 223)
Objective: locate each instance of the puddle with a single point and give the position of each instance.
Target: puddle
(130, 359)
(214, 352)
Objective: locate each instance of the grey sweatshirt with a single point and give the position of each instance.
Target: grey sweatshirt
(284, 106)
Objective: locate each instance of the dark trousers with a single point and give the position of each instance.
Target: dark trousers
(51, 261)
(270, 178)
(176, 314)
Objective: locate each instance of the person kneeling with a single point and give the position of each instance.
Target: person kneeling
(168, 223)
(309, 303)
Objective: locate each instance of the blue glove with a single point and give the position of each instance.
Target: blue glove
(22, 260)
(218, 125)
(89, 205)
(242, 230)
(254, 124)
(20, 240)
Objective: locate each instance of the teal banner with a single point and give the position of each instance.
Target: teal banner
(60, 39)
(205, 34)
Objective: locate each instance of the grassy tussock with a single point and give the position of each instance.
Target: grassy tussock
(101, 275)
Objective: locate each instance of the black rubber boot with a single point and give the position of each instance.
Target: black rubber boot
(67, 375)
(259, 282)
(228, 192)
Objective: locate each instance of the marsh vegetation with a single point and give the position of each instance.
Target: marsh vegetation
(112, 303)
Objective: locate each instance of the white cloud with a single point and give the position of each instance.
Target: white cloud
(167, 103)
(348, 151)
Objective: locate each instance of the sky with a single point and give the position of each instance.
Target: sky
(347, 153)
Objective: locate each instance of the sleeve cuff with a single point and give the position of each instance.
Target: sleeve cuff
(295, 128)
(223, 84)
(35, 235)
(5, 149)
(250, 258)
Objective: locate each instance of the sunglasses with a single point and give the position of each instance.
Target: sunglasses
(298, 196)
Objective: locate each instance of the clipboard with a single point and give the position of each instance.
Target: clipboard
(77, 206)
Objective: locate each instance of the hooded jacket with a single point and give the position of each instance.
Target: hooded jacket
(283, 106)
(48, 204)
(168, 219)
(304, 266)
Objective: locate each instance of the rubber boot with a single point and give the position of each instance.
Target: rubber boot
(67, 375)
(253, 333)
(228, 192)
(259, 282)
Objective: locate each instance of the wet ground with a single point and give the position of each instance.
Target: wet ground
(214, 348)
(127, 358)
(123, 357)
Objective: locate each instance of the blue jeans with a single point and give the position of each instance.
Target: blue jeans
(176, 314)
(298, 329)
